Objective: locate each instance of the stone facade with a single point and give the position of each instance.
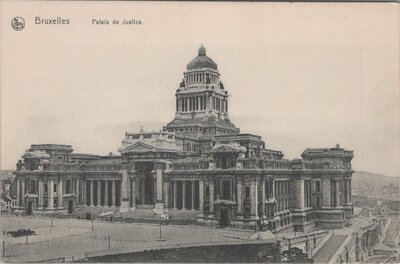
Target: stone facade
(199, 161)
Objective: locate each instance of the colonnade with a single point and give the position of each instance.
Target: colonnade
(102, 192)
(340, 192)
(282, 195)
(201, 102)
(201, 77)
(191, 103)
(190, 192)
(46, 189)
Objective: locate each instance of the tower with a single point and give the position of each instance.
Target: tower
(201, 101)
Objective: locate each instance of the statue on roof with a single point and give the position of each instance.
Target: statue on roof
(221, 85)
(182, 84)
(19, 165)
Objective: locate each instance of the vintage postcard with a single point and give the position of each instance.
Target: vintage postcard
(207, 132)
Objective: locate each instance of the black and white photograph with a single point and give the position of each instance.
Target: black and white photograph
(199, 132)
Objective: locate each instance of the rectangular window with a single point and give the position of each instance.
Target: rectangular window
(318, 186)
(226, 190)
(67, 187)
(247, 192)
(55, 188)
(32, 187)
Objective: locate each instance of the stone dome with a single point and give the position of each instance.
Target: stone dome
(202, 61)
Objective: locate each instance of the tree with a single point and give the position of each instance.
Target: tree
(295, 255)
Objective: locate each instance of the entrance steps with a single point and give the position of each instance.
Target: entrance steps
(94, 210)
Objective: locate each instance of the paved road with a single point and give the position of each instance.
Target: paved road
(329, 248)
(73, 238)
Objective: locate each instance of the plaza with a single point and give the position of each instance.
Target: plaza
(75, 239)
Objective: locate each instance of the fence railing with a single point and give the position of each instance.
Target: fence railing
(114, 219)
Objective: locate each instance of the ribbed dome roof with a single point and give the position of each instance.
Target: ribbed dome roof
(202, 61)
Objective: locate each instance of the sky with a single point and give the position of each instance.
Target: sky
(299, 74)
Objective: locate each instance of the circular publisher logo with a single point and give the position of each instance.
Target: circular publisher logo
(18, 23)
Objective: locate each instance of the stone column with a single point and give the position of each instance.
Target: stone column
(124, 197)
(60, 194)
(198, 103)
(348, 192)
(50, 196)
(143, 190)
(154, 190)
(298, 194)
(254, 199)
(84, 192)
(193, 195)
(106, 202)
(91, 192)
(326, 191)
(98, 193)
(350, 198)
(211, 186)
(175, 183)
(133, 192)
(240, 196)
(23, 192)
(272, 185)
(337, 182)
(77, 190)
(263, 197)
(201, 197)
(159, 177)
(166, 194)
(209, 102)
(233, 184)
(18, 192)
(113, 193)
(183, 195)
(40, 194)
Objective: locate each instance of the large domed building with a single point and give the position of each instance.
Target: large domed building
(199, 165)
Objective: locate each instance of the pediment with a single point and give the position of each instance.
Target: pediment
(139, 147)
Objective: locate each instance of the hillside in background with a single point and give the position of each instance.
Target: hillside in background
(375, 185)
